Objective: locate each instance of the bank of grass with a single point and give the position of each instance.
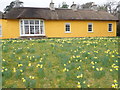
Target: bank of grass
(60, 63)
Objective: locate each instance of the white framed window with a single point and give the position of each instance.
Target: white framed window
(67, 28)
(0, 30)
(31, 27)
(110, 27)
(90, 27)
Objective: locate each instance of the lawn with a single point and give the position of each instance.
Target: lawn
(60, 63)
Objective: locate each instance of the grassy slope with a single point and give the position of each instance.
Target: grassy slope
(57, 54)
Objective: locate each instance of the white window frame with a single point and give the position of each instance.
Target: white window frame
(1, 30)
(29, 28)
(88, 27)
(65, 27)
(111, 28)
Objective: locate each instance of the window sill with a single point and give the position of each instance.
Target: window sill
(90, 31)
(68, 32)
(110, 31)
(32, 35)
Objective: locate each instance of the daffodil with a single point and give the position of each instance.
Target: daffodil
(41, 66)
(67, 70)
(3, 60)
(78, 83)
(92, 63)
(78, 67)
(64, 64)
(32, 77)
(29, 64)
(93, 66)
(86, 57)
(116, 61)
(111, 70)
(80, 60)
(21, 70)
(38, 65)
(69, 61)
(14, 69)
(88, 85)
(78, 86)
(6, 69)
(23, 80)
(78, 76)
(84, 82)
(115, 81)
(95, 57)
(81, 75)
(64, 69)
(101, 69)
(2, 70)
(116, 85)
(19, 58)
(97, 69)
(113, 86)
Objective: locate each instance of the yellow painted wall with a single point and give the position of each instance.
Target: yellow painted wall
(10, 29)
(79, 29)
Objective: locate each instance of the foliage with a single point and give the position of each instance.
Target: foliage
(64, 5)
(12, 5)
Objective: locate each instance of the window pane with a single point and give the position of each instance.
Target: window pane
(21, 27)
(36, 21)
(89, 27)
(37, 30)
(26, 29)
(31, 21)
(41, 22)
(67, 27)
(110, 27)
(31, 29)
(26, 22)
(21, 21)
(41, 27)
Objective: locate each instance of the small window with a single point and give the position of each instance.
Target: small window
(90, 27)
(110, 27)
(67, 27)
(0, 30)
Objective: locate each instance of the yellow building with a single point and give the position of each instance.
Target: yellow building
(24, 22)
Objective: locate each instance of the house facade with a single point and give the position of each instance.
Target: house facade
(56, 22)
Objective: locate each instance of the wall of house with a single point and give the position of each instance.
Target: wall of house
(79, 29)
(10, 29)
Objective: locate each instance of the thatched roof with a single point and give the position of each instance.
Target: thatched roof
(57, 14)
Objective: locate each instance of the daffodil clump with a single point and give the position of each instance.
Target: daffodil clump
(115, 66)
(29, 81)
(39, 65)
(20, 65)
(80, 76)
(115, 84)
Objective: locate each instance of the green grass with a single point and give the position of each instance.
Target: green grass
(60, 63)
